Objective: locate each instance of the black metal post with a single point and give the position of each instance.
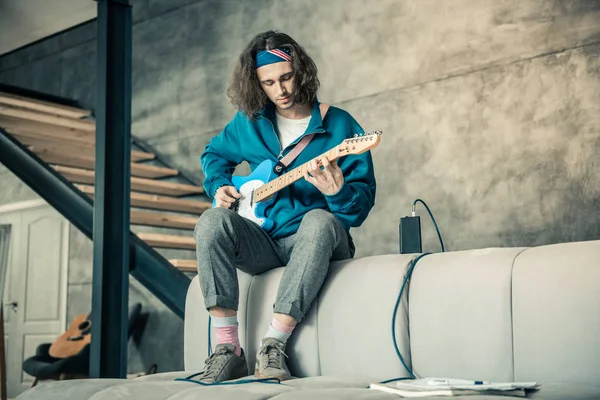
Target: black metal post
(110, 288)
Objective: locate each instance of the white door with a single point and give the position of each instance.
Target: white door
(36, 287)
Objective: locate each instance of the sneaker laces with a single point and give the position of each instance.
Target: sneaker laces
(214, 364)
(273, 351)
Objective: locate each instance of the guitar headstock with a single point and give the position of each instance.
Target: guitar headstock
(360, 143)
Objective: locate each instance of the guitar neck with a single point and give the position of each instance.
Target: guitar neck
(356, 145)
(290, 177)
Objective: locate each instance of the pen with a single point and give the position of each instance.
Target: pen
(442, 382)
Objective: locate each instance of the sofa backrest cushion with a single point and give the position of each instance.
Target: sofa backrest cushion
(556, 313)
(498, 314)
(460, 315)
(355, 312)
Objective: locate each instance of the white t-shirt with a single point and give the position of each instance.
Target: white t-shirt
(290, 129)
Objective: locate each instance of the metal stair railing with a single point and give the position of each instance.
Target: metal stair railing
(152, 270)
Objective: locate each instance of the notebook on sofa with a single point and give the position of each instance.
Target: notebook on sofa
(454, 387)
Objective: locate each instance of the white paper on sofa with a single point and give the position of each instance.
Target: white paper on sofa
(454, 387)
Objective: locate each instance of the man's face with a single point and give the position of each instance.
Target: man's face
(277, 81)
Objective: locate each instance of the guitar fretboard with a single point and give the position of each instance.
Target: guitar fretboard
(292, 176)
(355, 145)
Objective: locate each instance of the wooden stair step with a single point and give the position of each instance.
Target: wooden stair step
(43, 106)
(68, 147)
(185, 265)
(88, 162)
(46, 131)
(78, 175)
(168, 241)
(154, 202)
(163, 220)
(84, 125)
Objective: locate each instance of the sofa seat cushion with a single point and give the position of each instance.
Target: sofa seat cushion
(163, 386)
(164, 376)
(566, 391)
(319, 389)
(76, 389)
(337, 394)
(160, 388)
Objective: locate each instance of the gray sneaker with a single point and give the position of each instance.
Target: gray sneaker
(224, 365)
(270, 360)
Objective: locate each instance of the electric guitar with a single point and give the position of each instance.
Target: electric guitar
(257, 190)
(74, 339)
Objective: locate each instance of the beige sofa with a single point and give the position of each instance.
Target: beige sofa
(498, 314)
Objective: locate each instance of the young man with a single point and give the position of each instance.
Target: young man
(274, 87)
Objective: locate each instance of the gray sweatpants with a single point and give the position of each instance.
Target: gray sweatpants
(226, 241)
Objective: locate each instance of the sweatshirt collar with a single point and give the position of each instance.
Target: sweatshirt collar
(316, 122)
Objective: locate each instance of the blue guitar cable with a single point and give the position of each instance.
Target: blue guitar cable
(272, 381)
(406, 278)
(432, 220)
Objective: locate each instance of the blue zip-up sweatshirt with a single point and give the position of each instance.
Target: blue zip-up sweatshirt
(255, 141)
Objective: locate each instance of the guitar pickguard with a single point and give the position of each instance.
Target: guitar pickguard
(246, 208)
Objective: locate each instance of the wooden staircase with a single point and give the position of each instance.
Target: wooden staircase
(64, 138)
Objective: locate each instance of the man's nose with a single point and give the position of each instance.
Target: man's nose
(280, 88)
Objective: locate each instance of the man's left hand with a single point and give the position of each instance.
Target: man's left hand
(328, 180)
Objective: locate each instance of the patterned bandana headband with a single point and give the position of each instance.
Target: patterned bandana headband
(272, 56)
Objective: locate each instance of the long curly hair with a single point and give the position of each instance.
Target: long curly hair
(245, 92)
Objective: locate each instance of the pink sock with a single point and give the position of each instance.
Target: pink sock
(226, 329)
(279, 331)
(281, 327)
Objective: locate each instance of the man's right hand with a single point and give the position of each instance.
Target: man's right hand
(225, 196)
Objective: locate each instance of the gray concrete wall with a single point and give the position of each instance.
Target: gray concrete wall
(489, 108)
